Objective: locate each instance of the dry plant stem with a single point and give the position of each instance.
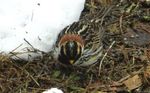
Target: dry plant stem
(133, 74)
(32, 77)
(40, 89)
(24, 70)
(29, 43)
(120, 24)
(16, 48)
(100, 65)
(90, 82)
(15, 55)
(107, 11)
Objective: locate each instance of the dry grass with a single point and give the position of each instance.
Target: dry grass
(125, 25)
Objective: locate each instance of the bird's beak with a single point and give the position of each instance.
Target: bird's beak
(71, 61)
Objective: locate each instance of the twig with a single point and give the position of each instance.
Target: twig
(29, 43)
(16, 48)
(100, 65)
(90, 82)
(32, 77)
(107, 11)
(24, 70)
(120, 24)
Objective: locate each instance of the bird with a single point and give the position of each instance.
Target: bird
(80, 44)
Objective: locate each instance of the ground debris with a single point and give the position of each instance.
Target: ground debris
(124, 69)
(133, 82)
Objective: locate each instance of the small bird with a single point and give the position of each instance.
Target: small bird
(80, 43)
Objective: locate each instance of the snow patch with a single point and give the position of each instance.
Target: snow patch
(35, 22)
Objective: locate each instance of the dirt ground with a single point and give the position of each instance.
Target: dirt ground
(123, 68)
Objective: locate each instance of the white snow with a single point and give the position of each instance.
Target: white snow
(53, 90)
(35, 21)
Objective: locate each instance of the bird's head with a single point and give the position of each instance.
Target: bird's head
(70, 49)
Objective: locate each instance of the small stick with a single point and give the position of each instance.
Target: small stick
(29, 43)
(100, 65)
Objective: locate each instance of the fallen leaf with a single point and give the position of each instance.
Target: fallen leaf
(133, 82)
(147, 74)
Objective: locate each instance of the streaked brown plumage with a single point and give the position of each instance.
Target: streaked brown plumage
(80, 43)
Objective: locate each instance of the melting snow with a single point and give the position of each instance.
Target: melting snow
(35, 22)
